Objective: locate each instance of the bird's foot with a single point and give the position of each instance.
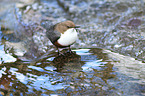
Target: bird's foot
(71, 52)
(60, 54)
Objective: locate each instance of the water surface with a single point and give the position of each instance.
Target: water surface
(86, 72)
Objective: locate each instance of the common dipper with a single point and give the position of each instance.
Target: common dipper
(62, 34)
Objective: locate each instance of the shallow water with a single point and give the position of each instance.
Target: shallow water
(86, 72)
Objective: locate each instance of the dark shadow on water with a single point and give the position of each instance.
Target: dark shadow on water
(66, 59)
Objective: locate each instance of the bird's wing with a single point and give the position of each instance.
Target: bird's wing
(52, 34)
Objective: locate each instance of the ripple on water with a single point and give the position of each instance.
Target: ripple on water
(87, 72)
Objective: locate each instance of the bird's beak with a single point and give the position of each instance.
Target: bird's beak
(77, 27)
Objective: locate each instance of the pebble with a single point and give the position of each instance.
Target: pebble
(35, 6)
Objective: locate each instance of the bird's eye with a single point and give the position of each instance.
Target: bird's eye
(68, 27)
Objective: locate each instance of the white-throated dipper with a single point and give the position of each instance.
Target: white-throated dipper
(62, 34)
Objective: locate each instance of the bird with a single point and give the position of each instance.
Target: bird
(63, 34)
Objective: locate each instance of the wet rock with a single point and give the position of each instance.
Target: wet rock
(24, 3)
(134, 22)
(27, 9)
(35, 6)
(95, 5)
(121, 6)
(20, 5)
(7, 15)
(6, 58)
(16, 48)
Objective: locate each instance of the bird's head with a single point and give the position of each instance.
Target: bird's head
(64, 26)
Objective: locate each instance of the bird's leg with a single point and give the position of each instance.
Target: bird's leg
(69, 49)
(59, 53)
(58, 50)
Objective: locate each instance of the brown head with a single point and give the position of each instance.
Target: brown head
(63, 26)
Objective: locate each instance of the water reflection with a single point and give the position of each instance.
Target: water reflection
(9, 81)
(80, 73)
(65, 62)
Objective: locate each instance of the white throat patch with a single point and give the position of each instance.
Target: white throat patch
(68, 38)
